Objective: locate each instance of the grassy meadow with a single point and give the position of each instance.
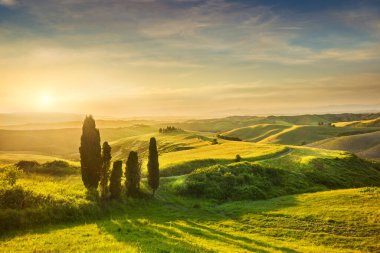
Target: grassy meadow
(278, 196)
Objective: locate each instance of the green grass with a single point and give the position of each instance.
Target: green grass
(186, 161)
(257, 132)
(360, 123)
(364, 145)
(301, 170)
(332, 221)
(293, 135)
(63, 143)
(14, 157)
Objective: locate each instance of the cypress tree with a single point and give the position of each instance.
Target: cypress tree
(90, 154)
(104, 173)
(115, 179)
(153, 166)
(132, 174)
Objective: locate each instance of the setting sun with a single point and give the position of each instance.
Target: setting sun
(45, 100)
(190, 126)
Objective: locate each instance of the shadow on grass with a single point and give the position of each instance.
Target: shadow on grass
(169, 224)
(173, 228)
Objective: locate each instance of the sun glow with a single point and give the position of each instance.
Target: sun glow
(45, 100)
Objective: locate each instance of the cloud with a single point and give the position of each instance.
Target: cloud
(8, 2)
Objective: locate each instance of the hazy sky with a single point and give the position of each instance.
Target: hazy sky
(189, 57)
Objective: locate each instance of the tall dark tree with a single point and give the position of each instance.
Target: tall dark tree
(115, 179)
(90, 153)
(104, 173)
(153, 166)
(132, 174)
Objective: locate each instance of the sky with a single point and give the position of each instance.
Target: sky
(190, 58)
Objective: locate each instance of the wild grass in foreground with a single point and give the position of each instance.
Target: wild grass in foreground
(330, 221)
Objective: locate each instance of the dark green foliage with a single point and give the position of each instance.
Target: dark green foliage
(54, 168)
(17, 197)
(345, 172)
(214, 141)
(10, 175)
(115, 179)
(23, 208)
(169, 129)
(229, 138)
(90, 154)
(132, 174)
(153, 166)
(238, 158)
(25, 165)
(104, 173)
(247, 180)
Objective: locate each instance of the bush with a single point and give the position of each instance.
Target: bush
(10, 175)
(16, 197)
(26, 165)
(229, 138)
(240, 181)
(238, 158)
(55, 168)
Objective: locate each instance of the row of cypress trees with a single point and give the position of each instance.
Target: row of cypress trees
(96, 163)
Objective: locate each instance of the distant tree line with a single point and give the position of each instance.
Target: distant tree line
(229, 138)
(169, 129)
(96, 162)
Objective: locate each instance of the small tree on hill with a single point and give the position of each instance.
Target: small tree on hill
(132, 174)
(90, 154)
(104, 173)
(115, 179)
(153, 166)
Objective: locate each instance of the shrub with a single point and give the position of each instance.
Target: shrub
(11, 174)
(25, 165)
(229, 138)
(56, 163)
(55, 168)
(240, 181)
(237, 158)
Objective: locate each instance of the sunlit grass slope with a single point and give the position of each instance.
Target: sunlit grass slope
(298, 171)
(257, 132)
(332, 221)
(7, 157)
(364, 145)
(183, 162)
(63, 143)
(360, 123)
(167, 142)
(301, 135)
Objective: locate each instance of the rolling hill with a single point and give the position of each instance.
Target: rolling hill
(62, 143)
(365, 145)
(293, 135)
(359, 123)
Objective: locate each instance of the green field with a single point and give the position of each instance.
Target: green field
(274, 198)
(365, 145)
(294, 135)
(330, 221)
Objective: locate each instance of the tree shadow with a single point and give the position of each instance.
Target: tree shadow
(166, 225)
(236, 239)
(164, 231)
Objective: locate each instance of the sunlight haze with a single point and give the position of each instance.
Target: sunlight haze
(194, 58)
